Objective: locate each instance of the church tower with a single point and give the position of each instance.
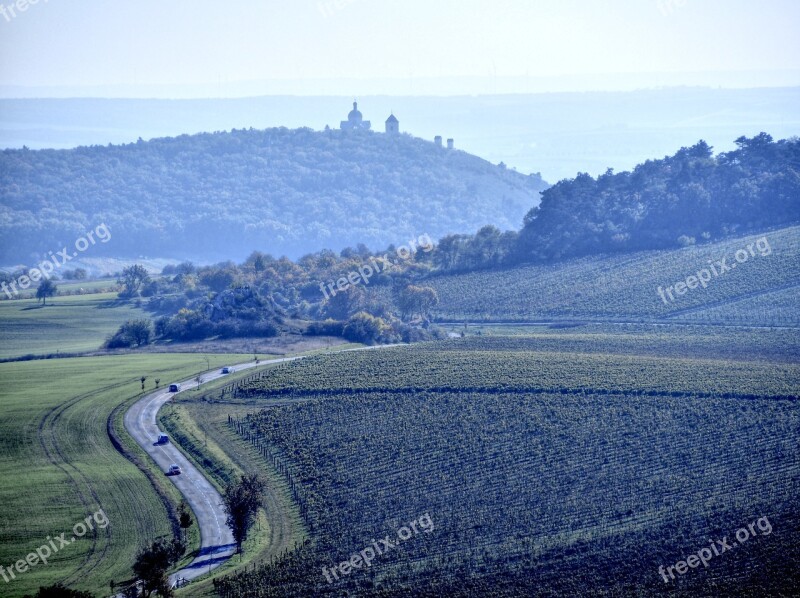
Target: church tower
(392, 125)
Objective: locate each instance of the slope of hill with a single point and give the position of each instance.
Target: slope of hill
(763, 289)
(218, 196)
(542, 471)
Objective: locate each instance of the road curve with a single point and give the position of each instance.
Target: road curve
(216, 540)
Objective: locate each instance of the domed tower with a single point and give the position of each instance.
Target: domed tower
(355, 120)
(392, 125)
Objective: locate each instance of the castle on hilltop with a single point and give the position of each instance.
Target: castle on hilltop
(355, 121)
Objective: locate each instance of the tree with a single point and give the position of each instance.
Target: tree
(132, 279)
(133, 333)
(76, 274)
(61, 591)
(152, 564)
(184, 518)
(415, 300)
(242, 501)
(218, 279)
(143, 379)
(185, 268)
(365, 328)
(47, 288)
(448, 252)
(345, 303)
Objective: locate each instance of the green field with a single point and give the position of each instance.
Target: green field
(625, 287)
(70, 324)
(68, 288)
(562, 362)
(58, 465)
(556, 463)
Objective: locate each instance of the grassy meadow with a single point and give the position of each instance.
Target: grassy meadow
(58, 465)
(67, 324)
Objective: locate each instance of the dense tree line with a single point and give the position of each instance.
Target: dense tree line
(683, 199)
(690, 197)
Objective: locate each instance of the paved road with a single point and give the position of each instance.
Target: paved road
(216, 539)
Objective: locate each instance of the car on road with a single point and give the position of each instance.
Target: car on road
(174, 387)
(227, 370)
(174, 469)
(162, 439)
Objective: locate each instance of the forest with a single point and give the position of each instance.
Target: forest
(216, 196)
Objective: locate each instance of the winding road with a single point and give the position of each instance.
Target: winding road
(216, 540)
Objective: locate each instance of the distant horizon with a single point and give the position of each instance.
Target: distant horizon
(557, 134)
(469, 86)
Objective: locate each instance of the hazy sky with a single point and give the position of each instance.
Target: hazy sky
(110, 44)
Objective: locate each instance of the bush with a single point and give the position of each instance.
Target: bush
(188, 325)
(367, 329)
(245, 329)
(133, 333)
(61, 591)
(415, 334)
(76, 274)
(326, 328)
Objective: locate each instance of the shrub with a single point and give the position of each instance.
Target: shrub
(326, 328)
(133, 333)
(367, 329)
